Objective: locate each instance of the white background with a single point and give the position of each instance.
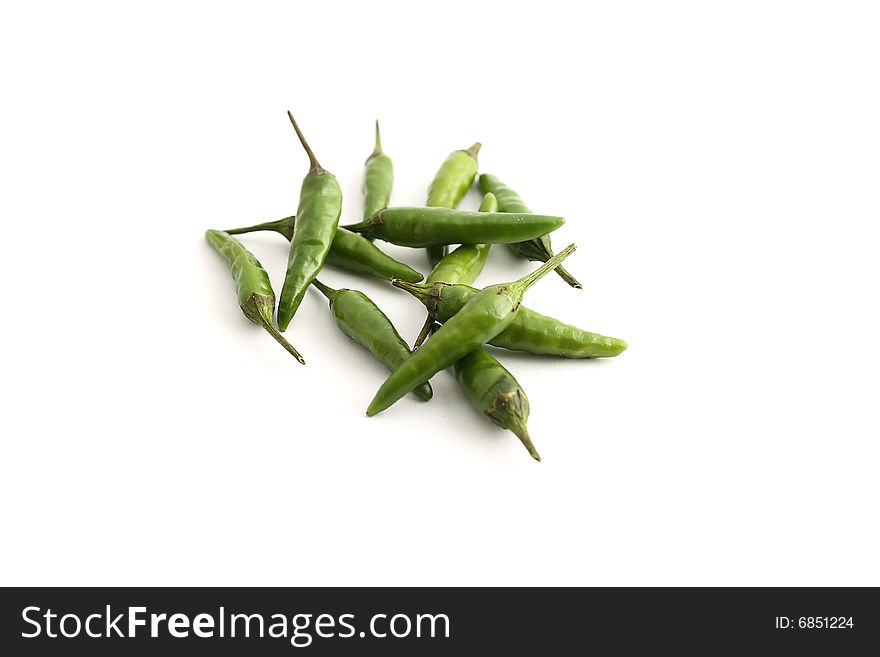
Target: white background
(718, 167)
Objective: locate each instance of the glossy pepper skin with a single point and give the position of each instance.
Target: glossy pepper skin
(538, 248)
(465, 263)
(420, 227)
(320, 204)
(347, 251)
(488, 313)
(378, 179)
(451, 182)
(361, 320)
(255, 294)
(530, 331)
(495, 393)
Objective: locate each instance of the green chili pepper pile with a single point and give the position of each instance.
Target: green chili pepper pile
(461, 319)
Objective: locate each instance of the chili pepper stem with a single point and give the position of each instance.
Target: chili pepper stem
(359, 227)
(278, 226)
(416, 289)
(423, 334)
(328, 292)
(568, 278)
(537, 250)
(473, 150)
(424, 295)
(316, 168)
(524, 283)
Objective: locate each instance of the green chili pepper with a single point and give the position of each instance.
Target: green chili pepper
(496, 393)
(538, 248)
(378, 179)
(487, 314)
(255, 295)
(420, 227)
(530, 331)
(461, 266)
(451, 182)
(361, 320)
(320, 204)
(348, 251)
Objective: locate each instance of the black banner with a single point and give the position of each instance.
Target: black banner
(420, 621)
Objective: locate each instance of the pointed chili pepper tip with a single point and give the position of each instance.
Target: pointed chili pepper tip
(283, 342)
(522, 433)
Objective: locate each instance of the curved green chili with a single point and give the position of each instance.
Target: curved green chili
(417, 227)
(538, 248)
(255, 294)
(378, 179)
(530, 331)
(320, 204)
(361, 320)
(451, 182)
(487, 314)
(348, 251)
